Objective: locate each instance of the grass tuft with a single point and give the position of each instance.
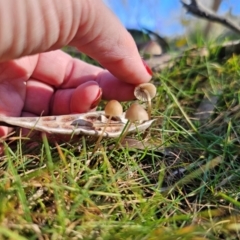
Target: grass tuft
(183, 183)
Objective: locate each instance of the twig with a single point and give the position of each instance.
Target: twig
(216, 4)
(199, 10)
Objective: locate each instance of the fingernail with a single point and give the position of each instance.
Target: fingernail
(97, 100)
(147, 67)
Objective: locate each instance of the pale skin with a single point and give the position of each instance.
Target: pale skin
(36, 78)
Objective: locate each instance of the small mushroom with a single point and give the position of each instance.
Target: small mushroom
(136, 113)
(145, 92)
(112, 109)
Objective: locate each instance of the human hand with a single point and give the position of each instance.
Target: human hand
(37, 79)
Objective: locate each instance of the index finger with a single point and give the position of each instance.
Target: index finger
(44, 25)
(106, 40)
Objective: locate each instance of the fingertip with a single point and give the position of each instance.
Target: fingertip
(113, 88)
(85, 97)
(4, 131)
(38, 97)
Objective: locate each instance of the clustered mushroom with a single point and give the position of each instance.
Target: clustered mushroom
(112, 109)
(135, 114)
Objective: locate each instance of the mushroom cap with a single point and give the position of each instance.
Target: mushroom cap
(141, 89)
(113, 108)
(136, 113)
(152, 48)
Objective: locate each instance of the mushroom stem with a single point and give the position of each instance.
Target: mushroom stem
(124, 134)
(112, 109)
(101, 136)
(134, 114)
(149, 102)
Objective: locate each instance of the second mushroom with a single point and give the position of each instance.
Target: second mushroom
(135, 114)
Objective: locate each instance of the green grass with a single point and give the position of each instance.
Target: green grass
(185, 186)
